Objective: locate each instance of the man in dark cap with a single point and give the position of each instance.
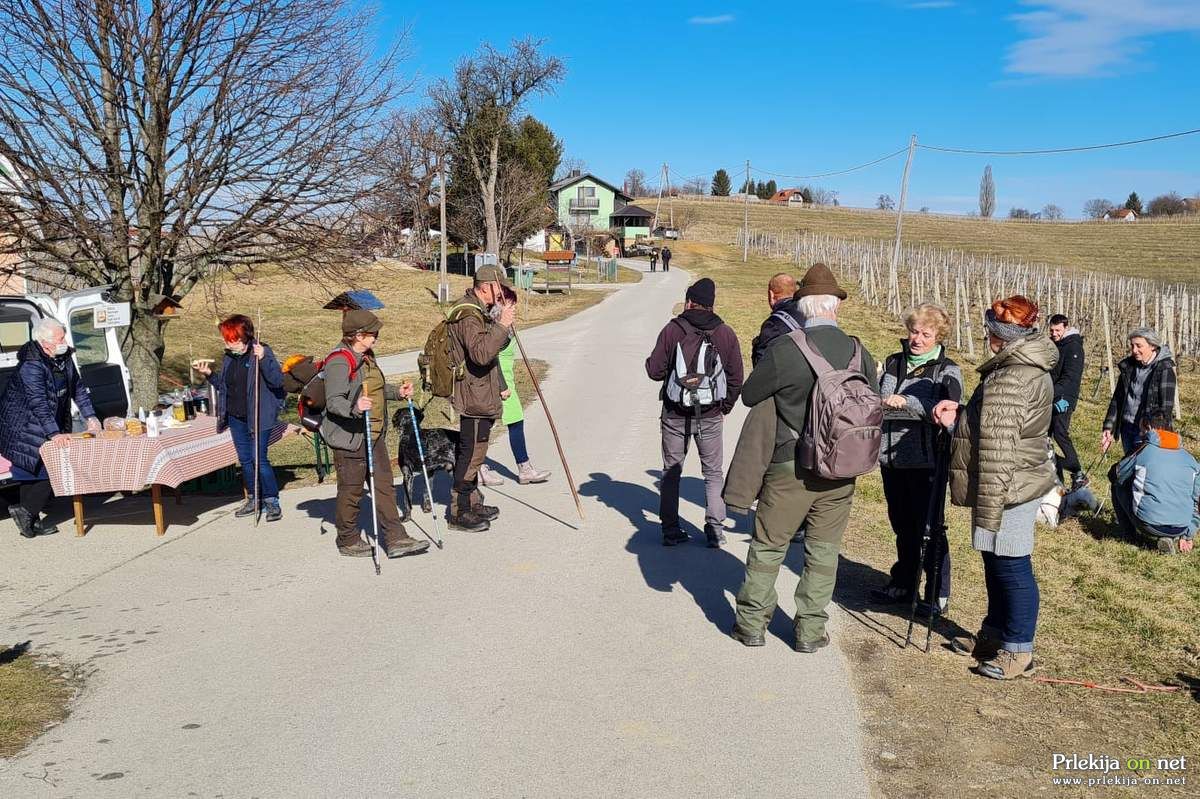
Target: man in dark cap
(792, 495)
(699, 361)
(354, 384)
(480, 326)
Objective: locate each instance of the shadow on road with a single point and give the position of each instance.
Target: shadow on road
(853, 593)
(711, 576)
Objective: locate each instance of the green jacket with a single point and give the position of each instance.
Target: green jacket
(752, 456)
(342, 425)
(512, 406)
(999, 456)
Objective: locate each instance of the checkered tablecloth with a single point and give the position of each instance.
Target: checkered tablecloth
(101, 465)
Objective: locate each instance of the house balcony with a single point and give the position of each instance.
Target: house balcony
(584, 204)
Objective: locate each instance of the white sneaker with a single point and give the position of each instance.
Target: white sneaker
(527, 473)
(489, 478)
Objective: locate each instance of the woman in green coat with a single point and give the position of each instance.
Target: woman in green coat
(514, 419)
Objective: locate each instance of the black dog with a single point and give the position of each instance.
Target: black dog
(440, 446)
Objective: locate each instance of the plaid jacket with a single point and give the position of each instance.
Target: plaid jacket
(1157, 395)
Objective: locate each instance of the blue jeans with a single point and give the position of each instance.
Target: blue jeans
(516, 440)
(1013, 600)
(243, 441)
(1131, 437)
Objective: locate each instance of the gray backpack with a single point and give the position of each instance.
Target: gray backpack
(843, 433)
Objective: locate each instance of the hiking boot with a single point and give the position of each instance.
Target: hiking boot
(401, 545)
(808, 647)
(486, 512)
(747, 638)
(24, 520)
(673, 536)
(1167, 546)
(983, 646)
(274, 512)
(247, 509)
(489, 478)
(715, 536)
(527, 473)
(44, 526)
(467, 521)
(1008, 665)
(359, 549)
(891, 594)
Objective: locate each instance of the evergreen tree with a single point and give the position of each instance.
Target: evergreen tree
(771, 188)
(720, 184)
(987, 193)
(1134, 203)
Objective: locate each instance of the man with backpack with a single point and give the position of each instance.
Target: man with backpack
(784, 317)
(479, 328)
(699, 361)
(666, 259)
(827, 432)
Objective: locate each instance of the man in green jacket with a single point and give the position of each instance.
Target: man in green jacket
(792, 496)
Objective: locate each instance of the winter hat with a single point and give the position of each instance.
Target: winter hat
(819, 280)
(360, 322)
(1148, 333)
(703, 292)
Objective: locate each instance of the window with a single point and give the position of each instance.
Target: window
(587, 192)
(91, 345)
(16, 326)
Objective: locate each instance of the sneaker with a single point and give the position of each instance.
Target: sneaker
(399, 546)
(247, 509)
(1167, 546)
(1008, 665)
(527, 473)
(983, 646)
(274, 512)
(467, 521)
(891, 594)
(359, 549)
(715, 536)
(489, 478)
(673, 536)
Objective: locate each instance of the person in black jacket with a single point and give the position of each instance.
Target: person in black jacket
(1066, 374)
(784, 316)
(1146, 387)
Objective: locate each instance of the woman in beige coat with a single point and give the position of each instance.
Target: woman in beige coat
(1000, 467)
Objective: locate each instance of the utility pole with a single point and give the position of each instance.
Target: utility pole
(893, 273)
(443, 282)
(670, 195)
(662, 178)
(746, 214)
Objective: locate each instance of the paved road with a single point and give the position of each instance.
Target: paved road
(547, 657)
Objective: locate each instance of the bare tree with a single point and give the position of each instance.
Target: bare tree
(885, 203)
(987, 193)
(407, 169)
(1097, 208)
(696, 185)
(568, 165)
(161, 141)
(635, 183)
(1052, 212)
(476, 107)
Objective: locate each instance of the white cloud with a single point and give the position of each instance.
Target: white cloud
(719, 19)
(1078, 38)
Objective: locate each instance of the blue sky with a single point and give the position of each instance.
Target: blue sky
(804, 88)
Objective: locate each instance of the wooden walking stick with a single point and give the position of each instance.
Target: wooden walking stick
(546, 408)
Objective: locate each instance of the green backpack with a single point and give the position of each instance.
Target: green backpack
(440, 369)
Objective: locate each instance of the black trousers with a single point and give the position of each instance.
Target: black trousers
(469, 456)
(33, 496)
(907, 492)
(1060, 431)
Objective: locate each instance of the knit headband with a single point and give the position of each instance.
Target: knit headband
(1006, 331)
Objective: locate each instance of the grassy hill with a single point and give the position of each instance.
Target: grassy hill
(1164, 250)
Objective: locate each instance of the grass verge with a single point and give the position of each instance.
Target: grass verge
(33, 696)
(1109, 609)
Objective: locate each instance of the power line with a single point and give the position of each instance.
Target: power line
(879, 160)
(966, 151)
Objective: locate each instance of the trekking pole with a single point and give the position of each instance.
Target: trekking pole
(257, 436)
(371, 487)
(546, 408)
(934, 525)
(412, 414)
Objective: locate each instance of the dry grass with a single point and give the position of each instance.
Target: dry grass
(1109, 609)
(1163, 250)
(33, 696)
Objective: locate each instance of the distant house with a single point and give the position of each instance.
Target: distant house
(630, 223)
(583, 200)
(1120, 215)
(787, 197)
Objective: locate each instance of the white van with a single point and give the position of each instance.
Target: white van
(97, 351)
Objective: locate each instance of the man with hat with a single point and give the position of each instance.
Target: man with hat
(792, 495)
(695, 414)
(355, 384)
(480, 327)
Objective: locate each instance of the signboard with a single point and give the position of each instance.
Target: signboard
(115, 314)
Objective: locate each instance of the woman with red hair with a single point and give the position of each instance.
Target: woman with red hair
(236, 395)
(1001, 467)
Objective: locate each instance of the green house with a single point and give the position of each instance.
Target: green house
(584, 203)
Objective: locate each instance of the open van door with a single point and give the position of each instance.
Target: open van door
(97, 351)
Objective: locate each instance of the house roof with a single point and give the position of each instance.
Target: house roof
(1121, 213)
(633, 210)
(784, 194)
(572, 180)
